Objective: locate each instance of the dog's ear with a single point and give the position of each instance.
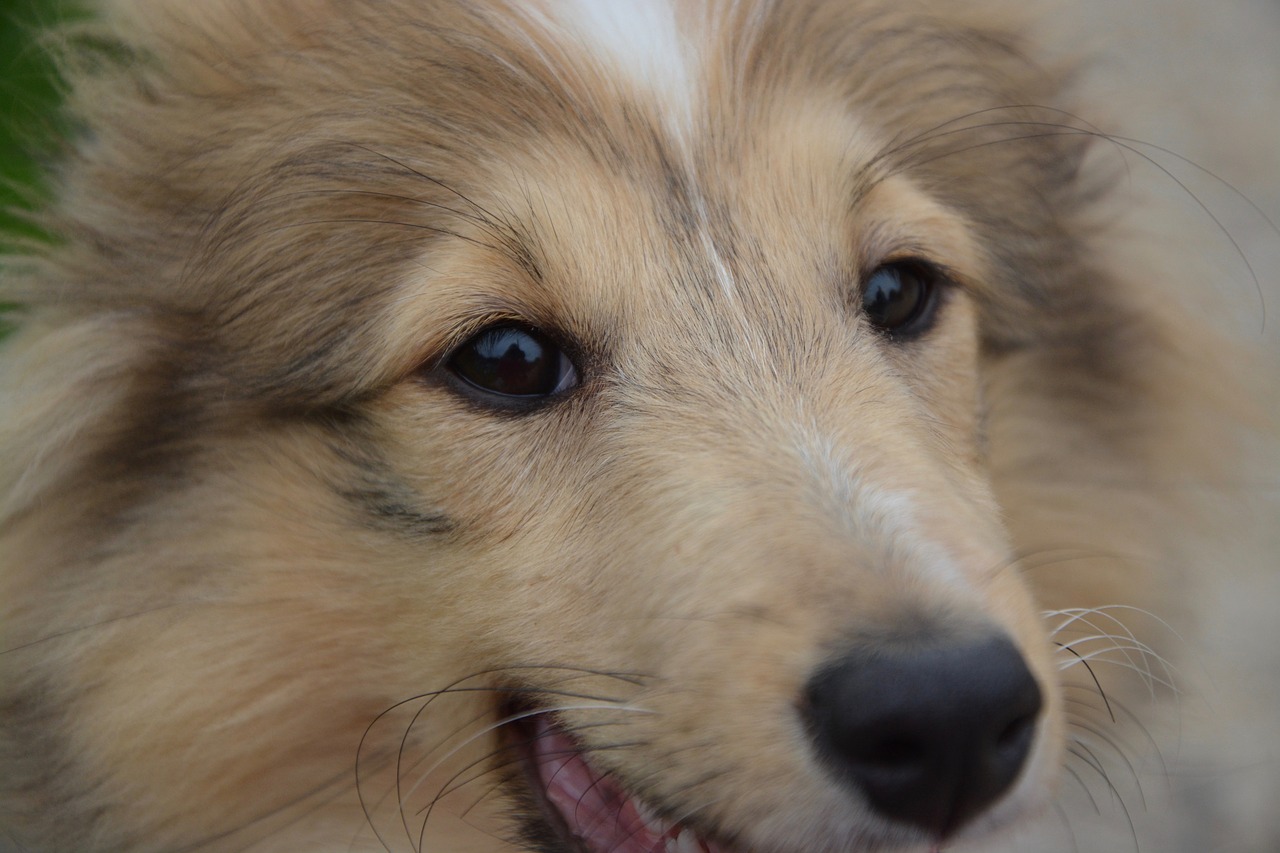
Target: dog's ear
(1001, 145)
(208, 194)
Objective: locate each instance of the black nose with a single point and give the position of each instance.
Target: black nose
(931, 733)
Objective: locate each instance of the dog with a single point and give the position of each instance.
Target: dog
(644, 426)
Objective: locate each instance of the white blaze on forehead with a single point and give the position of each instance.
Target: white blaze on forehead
(720, 268)
(655, 53)
(640, 40)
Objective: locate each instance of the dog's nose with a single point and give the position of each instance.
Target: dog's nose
(930, 732)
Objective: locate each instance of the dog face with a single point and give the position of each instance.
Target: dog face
(588, 420)
(797, 507)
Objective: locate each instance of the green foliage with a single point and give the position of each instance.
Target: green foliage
(28, 101)
(29, 128)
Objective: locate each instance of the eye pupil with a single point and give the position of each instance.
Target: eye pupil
(514, 362)
(509, 361)
(898, 298)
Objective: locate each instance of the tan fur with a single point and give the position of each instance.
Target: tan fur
(241, 516)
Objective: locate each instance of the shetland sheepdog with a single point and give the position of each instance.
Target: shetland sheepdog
(582, 426)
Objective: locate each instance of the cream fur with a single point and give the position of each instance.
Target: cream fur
(267, 578)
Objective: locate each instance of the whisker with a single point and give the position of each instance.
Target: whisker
(932, 133)
(358, 220)
(498, 226)
(89, 627)
(403, 795)
(1152, 681)
(1146, 614)
(508, 763)
(1117, 797)
(1045, 557)
(1066, 824)
(454, 688)
(484, 213)
(1116, 644)
(1081, 751)
(1087, 791)
(483, 714)
(1084, 744)
(1124, 643)
(1098, 684)
(452, 784)
(485, 224)
(515, 718)
(1059, 130)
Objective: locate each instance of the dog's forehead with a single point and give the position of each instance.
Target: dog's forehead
(761, 246)
(648, 43)
(713, 182)
(786, 219)
(699, 237)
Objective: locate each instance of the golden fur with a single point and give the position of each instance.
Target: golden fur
(268, 580)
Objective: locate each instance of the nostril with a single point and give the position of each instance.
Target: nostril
(929, 733)
(1017, 733)
(895, 751)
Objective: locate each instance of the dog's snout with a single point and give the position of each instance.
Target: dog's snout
(931, 734)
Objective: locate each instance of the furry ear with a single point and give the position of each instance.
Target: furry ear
(990, 134)
(1020, 171)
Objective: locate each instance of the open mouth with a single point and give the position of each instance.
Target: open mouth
(586, 810)
(589, 811)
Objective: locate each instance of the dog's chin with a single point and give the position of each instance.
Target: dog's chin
(581, 809)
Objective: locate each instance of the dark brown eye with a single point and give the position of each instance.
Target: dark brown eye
(900, 298)
(513, 364)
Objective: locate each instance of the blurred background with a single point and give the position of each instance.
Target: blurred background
(1195, 86)
(29, 129)
(28, 97)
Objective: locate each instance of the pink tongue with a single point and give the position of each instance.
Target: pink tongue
(594, 808)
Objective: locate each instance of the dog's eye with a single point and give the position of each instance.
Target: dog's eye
(900, 298)
(513, 362)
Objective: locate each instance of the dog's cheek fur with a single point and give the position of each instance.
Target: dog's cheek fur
(257, 526)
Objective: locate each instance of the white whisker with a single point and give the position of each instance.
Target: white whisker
(1139, 656)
